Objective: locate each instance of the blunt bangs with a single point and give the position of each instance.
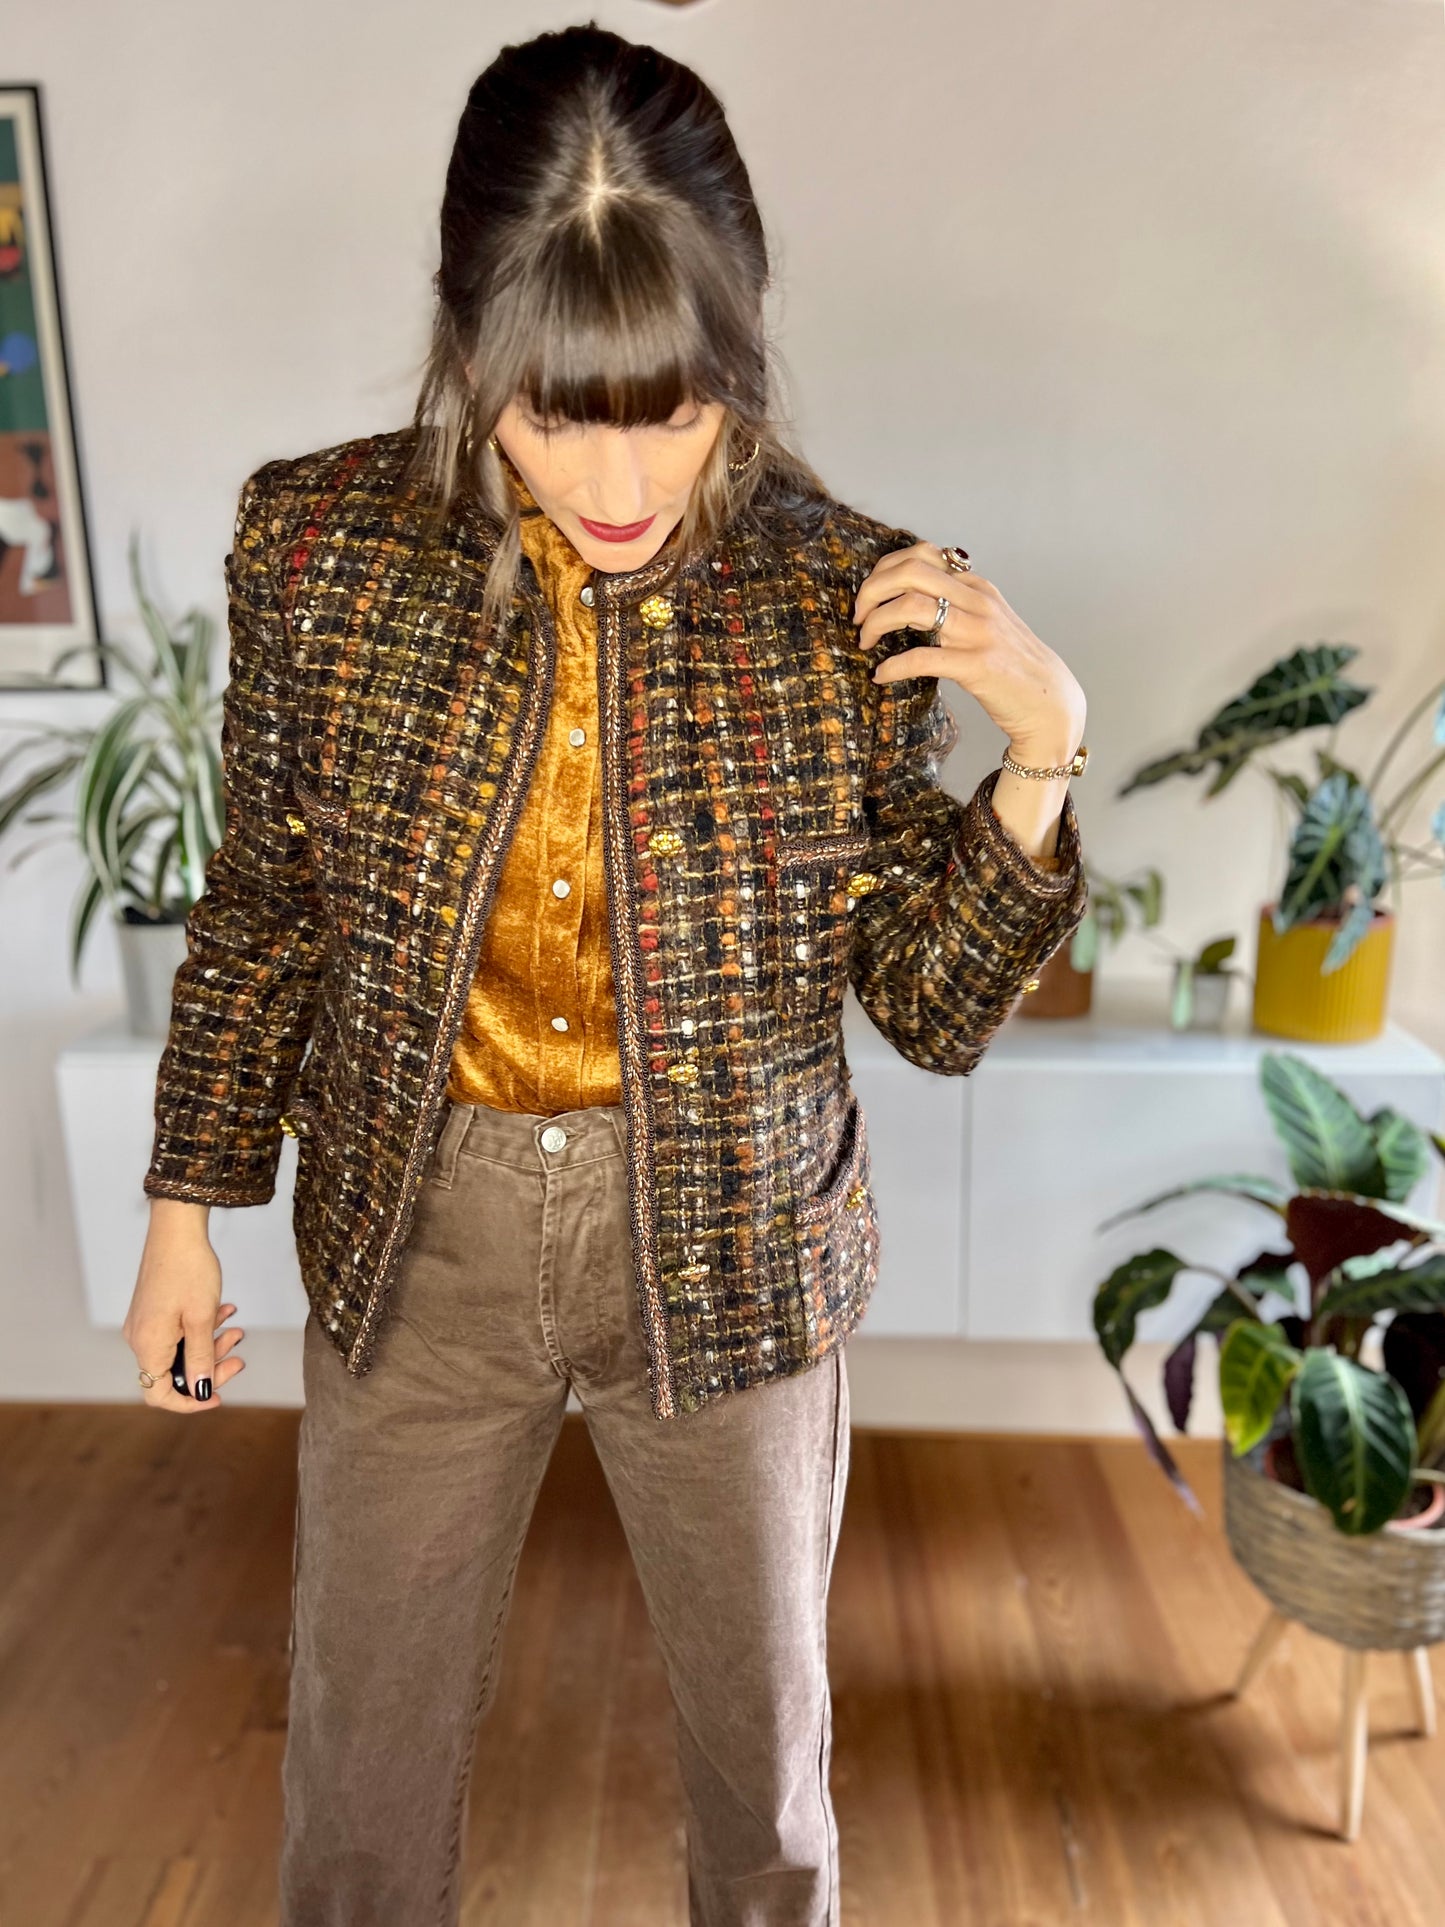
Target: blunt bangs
(607, 327)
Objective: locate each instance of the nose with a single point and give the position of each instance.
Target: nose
(619, 480)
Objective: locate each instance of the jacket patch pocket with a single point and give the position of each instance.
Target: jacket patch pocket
(837, 1237)
(816, 881)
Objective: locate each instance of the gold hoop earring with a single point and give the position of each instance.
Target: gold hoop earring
(747, 462)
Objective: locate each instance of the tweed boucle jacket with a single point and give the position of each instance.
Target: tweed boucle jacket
(774, 828)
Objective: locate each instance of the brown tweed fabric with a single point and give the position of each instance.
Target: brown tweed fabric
(774, 828)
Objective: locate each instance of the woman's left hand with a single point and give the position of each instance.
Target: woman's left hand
(983, 646)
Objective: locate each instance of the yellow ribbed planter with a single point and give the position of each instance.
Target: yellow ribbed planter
(1292, 998)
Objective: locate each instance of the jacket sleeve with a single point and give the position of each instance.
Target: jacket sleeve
(960, 918)
(243, 999)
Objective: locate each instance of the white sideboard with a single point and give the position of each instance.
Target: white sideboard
(990, 1188)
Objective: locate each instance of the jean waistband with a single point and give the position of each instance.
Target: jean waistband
(530, 1141)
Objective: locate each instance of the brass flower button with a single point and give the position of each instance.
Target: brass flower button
(856, 1197)
(682, 1073)
(297, 823)
(863, 882)
(656, 611)
(288, 1124)
(1032, 984)
(664, 843)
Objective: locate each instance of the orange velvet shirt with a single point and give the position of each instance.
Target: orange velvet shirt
(539, 1033)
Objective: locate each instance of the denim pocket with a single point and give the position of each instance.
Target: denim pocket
(442, 1170)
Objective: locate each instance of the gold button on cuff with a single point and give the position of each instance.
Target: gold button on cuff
(664, 843)
(1032, 984)
(288, 1124)
(656, 611)
(863, 882)
(295, 822)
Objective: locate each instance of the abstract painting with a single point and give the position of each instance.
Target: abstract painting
(47, 591)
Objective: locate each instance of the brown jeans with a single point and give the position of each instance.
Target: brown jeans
(416, 1486)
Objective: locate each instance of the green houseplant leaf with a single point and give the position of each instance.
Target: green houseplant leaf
(1301, 691)
(1328, 1143)
(1354, 1438)
(1256, 1363)
(1337, 860)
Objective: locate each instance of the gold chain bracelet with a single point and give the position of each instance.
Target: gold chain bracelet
(1074, 767)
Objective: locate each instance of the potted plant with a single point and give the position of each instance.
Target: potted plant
(1066, 981)
(148, 802)
(1200, 997)
(1344, 1449)
(1325, 944)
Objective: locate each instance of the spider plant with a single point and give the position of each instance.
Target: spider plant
(147, 810)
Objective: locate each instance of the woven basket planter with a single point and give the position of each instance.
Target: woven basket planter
(1382, 1592)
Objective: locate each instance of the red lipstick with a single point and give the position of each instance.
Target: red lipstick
(614, 532)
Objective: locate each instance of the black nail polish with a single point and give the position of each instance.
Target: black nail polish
(203, 1388)
(178, 1369)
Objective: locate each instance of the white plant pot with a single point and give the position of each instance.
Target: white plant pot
(150, 954)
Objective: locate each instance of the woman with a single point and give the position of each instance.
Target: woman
(563, 801)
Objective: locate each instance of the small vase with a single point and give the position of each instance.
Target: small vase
(1292, 998)
(1209, 998)
(151, 951)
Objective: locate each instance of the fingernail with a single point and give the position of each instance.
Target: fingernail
(203, 1388)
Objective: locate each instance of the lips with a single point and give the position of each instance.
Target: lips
(614, 532)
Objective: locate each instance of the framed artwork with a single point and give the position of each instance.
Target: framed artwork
(47, 587)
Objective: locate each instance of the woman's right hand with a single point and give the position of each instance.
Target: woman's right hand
(178, 1295)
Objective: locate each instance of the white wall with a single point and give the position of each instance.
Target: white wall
(1141, 304)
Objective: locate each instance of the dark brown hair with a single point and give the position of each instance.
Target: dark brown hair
(603, 257)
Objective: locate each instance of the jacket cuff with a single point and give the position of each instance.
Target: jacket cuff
(981, 827)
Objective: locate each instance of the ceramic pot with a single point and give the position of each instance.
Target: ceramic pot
(1293, 999)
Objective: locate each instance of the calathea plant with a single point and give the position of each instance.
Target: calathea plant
(1349, 840)
(1347, 1256)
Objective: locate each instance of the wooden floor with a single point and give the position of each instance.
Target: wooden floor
(1031, 1642)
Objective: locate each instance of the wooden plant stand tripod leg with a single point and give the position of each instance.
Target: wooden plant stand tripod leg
(1354, 1713)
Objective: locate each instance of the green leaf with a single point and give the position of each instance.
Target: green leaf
(1403, 1151)
(1329, 1145)
(1304, 690)
(1181, 1004)
(1141, 1282)
(1336, 859)
(1214, 956)
(1354, 1438)
(15, 801)
(1364, 1286)
(1256, 1363)
(1256, 1190)
(89, 900)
